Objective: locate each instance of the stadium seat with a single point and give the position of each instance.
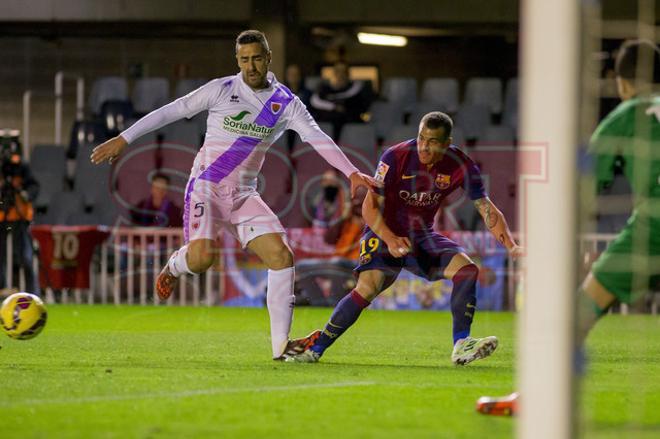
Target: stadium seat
(48, 159)
(183, 132)
(91, 181)
(473, 120)
(497, 135)
(361, 139)
(85, 135)
(420, 110)
(485, 91)
(62, 206)
(83, 219)
(115, 116)
(107, 89)
(106, 210)
(401, 90)
(458, 137)
(443, 92)
(401, 133)
(276, 174)
(511, 96)
(149, 94)
(385, 116)
(176, 158)
(200, 120)
(327, 128)
(312, 83)
(151, 138)
(185, 86)
(50, 183)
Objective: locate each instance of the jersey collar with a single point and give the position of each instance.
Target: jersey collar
(270, 78)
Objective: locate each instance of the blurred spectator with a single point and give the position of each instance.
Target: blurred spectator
(327, 203)
(323, 282)
(18, 188)
(341, 100)
(294, 80)
(157, 210)
(345, 234)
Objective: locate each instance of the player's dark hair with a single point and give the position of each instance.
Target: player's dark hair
(631, 53)
(252, 36)
(160, 176)
(438, 119)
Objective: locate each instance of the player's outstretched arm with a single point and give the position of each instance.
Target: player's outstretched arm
(186, 106)
(309, 131)
(497, 225)
(398, 246)
(358, 179)
(108, 150)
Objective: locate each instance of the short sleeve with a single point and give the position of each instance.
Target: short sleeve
(474, 184)
(385, 170)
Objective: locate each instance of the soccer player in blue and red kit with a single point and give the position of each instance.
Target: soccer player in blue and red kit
(417, 176)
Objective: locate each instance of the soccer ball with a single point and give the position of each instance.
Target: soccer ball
(23, 316)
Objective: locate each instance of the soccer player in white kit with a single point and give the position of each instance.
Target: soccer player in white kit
(248, 112)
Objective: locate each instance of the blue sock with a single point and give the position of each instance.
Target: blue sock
(345, 314)
(464, 300)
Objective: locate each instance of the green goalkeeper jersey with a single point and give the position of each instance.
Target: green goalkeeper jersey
(630, 266)
(632, 130)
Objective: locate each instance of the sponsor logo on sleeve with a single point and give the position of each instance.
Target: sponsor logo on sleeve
(381, 172)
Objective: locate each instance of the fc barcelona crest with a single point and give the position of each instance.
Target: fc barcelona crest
(275, 107)
(442, 181)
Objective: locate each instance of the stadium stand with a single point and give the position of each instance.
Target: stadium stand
(401, 90)
(473, 119)
(442, 92)
(149, 94)
(385, 116)
(106, 89)
(484, 91)
(185, 86)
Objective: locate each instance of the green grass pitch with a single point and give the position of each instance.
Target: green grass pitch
(152, 372)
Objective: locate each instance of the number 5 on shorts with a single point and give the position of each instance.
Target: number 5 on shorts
(199, 209)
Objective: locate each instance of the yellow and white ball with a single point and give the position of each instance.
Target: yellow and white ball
(23, 316)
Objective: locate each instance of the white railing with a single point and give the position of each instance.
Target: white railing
(138, 255)
(59, 108)
(59, 101)
(125, 267)
(27, 110)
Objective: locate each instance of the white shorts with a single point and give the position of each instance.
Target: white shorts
(210, 207)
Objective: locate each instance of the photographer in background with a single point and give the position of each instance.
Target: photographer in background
(18, 189)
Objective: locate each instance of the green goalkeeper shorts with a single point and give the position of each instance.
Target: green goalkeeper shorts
(626, 273)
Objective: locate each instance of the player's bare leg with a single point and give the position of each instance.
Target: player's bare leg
(193, 258)
(278, 257)
(464, 273)
(370, 284)
(593, 299)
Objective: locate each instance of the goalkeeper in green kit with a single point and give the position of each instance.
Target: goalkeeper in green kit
(630, 266)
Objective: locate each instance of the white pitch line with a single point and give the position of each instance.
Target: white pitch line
(184, 394)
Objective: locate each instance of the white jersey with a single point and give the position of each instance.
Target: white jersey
(242, 124)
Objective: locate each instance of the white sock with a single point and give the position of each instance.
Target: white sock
(280, 301)
(178, 264)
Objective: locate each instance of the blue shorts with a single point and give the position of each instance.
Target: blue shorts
(430, 255)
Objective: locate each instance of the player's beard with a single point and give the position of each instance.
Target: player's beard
(255, 79)
(425, 157)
